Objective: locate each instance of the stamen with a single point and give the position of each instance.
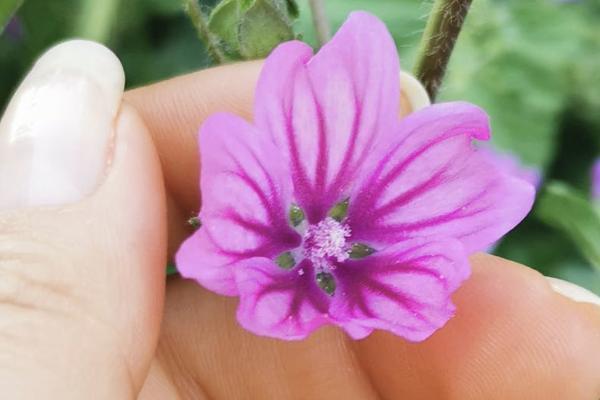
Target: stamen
(325, 241)
(340, 210)
(286, 260)
(296, 215)
(360, 250)
(326, 282)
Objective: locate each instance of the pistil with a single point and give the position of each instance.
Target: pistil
(326, 242)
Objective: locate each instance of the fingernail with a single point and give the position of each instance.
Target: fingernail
(573, 292)
(413, 95)
(56, 131)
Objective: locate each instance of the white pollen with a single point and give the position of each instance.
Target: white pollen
(325, 241)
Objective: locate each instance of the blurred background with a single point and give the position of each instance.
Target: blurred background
(533, 65)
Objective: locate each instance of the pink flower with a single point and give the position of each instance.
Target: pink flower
(512, 165)
(596, 180)
(329, 210)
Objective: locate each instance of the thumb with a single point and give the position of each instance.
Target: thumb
(82, 232)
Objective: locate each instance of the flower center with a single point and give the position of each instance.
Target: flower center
(326, 242)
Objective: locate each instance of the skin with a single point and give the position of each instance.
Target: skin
(91, 321)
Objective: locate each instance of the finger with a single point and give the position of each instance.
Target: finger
(82, 225)
(513, 338)
(175, 109)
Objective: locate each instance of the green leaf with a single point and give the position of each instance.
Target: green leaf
(248, 29)
(515, 69)
(163, 7)
(288, 8)
(171, 270)
(246, 4)
(223, 23)
(564, 208)
(262, 27)
(7, 9)
(404, 19)
(292, 9)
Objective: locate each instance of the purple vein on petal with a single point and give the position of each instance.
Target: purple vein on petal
(464, 130)
(259, 193)
(447, 217)
(409, 195)
(345, 164)
(298, 289)
(322, 159)
(397, 171)
(410, 304)
(359, 296)
(300, 176)
(270, 206)
(249, 224)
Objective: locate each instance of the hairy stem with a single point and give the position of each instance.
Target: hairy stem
(442, 30)
(192, 9)
(317, 8)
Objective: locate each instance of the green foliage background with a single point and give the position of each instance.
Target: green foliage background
(533, 65)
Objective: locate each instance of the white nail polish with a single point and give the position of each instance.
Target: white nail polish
(413, 92)
(56, 131)
(573, 291)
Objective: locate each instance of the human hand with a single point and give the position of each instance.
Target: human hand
(87, 222)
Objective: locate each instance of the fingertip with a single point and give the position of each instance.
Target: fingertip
(413, 95)
(573, 292)
(175, 109)
(56, 128)
(125, 219)
(131, 197)
(512, 337)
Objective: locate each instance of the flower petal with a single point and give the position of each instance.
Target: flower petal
(278, 303)
(404, 288)
(356, 331)
(326, 114)
(512, 165)
(246, 188)
(433, 182)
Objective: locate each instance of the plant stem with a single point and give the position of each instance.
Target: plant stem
(317, 8)
(96, 19)
(442, 30)
(192, 9)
